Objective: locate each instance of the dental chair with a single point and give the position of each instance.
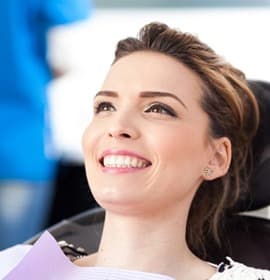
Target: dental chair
(248, 236)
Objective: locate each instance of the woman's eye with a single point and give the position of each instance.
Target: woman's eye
(104, 107)
(161, 109)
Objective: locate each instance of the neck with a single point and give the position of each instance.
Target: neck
(152, 244)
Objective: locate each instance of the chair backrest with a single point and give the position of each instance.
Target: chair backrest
(82, 230)
(246, 240)
(249, 237)
(259, 195)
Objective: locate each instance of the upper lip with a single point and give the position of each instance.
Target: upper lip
(122, 153)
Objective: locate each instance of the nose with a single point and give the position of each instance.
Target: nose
(119, 134)
(123, 129)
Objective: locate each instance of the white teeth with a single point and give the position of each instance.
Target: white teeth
(134, 162)
(123, 162)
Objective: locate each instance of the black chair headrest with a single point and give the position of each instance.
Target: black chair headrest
(259, 195)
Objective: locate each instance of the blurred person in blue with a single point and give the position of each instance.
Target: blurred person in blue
(27, 166)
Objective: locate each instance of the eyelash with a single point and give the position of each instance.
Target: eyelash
(99, 107)
(159, 107)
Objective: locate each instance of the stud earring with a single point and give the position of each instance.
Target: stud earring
(207, 172)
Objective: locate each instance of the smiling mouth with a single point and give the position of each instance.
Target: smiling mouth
(123, 161)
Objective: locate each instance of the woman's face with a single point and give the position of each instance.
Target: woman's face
(148, 143)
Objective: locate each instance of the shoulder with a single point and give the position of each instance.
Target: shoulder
(10, 257)
(230, 269)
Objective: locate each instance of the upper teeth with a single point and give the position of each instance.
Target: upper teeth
(123, 161)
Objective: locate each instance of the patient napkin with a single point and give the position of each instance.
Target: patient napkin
(46, 261)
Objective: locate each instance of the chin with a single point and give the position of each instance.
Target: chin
(120, 204)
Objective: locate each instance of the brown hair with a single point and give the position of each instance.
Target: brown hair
(232, 110)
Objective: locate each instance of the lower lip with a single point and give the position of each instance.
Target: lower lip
(115, 170)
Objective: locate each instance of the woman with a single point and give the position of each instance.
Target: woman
(166, 154)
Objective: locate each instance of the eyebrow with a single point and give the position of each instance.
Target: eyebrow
(107, 93)
(144, 94)
(161, 94)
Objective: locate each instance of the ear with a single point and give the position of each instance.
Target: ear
(220, 159)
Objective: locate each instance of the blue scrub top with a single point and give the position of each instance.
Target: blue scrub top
(24, 75)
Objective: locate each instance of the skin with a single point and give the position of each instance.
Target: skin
(147, 208)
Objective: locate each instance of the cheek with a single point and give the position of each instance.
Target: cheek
(181, 150)
(85, 140)
(90, 138)
(172, 144)
(86, 147)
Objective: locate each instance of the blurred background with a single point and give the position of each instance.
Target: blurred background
(81, 54)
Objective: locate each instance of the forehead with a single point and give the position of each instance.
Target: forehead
(148, 70)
